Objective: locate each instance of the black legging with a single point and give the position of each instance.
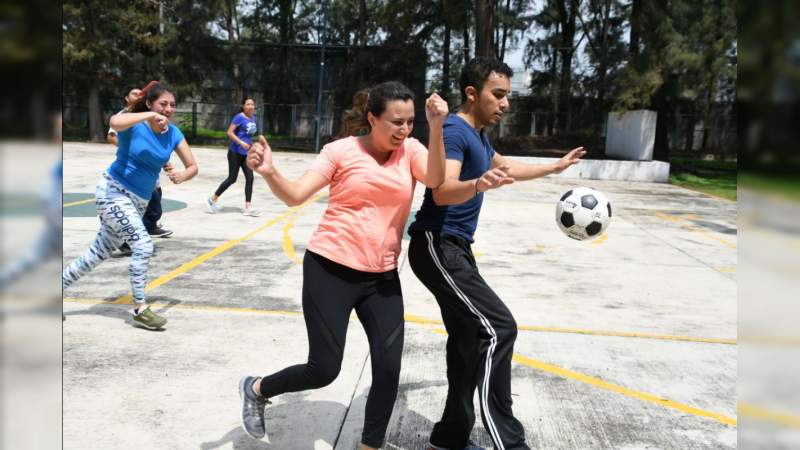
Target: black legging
(330, 292)
(236, 161)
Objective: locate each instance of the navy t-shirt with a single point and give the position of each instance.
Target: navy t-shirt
(463, 143)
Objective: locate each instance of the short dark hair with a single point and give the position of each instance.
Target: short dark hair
(477, 71)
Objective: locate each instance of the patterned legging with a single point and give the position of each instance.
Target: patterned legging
(120, 213)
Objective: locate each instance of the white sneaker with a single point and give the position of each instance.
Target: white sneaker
(213, 208)
(252, 212)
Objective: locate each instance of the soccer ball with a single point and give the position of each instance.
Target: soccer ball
(583, 213)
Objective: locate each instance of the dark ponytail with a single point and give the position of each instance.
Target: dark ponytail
(354, 120)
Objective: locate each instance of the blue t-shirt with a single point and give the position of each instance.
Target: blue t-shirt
(140, 156)
(246, 128)
(464, 143)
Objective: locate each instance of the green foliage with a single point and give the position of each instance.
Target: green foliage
(686, 50)
(712, 177)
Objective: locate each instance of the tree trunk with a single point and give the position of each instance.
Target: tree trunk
(446, 61)
(603, 68)
(502, 53)
(661, 106)
(362, 22)
(636, 30)
(567, 50)
(465, 36)
(484, 28)
(552, 121)
(238, 89)
(96, 122)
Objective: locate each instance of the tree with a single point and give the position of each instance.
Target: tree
(484, 28)
(107, 45)
(541, 57)
(606, 51)
(681, 57)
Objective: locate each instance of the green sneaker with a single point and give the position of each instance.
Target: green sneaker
(148, 319)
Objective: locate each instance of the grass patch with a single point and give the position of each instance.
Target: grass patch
(784, 185)
(208, 134)
(720, 186)
(716, 178)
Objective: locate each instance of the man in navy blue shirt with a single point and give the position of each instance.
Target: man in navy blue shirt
(481, 330)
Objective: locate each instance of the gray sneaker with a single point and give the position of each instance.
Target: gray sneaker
(252, 409)
(148, 319)
(213, 207)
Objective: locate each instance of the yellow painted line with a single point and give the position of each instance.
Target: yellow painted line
(639, 395)
(679, 221)
(771, 341)
(288, 245)
(726, 269)
(766, 415)
(602, 384)
(600, 240)
(80, 202)
(663, 337)
(520, 359)
(85, 301)
(183, 268)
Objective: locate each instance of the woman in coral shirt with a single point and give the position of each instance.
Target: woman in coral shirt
(351, 262)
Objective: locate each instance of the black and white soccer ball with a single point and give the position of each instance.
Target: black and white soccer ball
(583, 213)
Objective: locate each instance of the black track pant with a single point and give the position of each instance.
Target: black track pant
(480, 343)
(330, 292)
(237, 161)
(153, 212)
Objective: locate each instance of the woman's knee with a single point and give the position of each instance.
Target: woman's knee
(325, 373)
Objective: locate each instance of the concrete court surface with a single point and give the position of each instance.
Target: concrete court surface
(627, 342)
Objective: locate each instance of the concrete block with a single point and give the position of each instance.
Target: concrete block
(607, 169)
(631, 135)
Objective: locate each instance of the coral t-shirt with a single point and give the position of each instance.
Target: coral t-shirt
(369, 204)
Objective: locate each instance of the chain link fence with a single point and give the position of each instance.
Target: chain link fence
(525, 129)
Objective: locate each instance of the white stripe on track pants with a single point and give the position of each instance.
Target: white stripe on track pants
(480, 344)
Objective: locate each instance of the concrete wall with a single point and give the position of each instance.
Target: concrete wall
(603, 169)
(631, 135)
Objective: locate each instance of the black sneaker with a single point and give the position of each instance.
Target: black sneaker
(123, 251)
(252, 417)
(160, 232)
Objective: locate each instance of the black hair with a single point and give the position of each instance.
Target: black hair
(477, 71)
(150, 95)
(244, 100)
(373, 100)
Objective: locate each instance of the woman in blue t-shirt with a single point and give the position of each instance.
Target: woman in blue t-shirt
(241, 131)
(146, 141)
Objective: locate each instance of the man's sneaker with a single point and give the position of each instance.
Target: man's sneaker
(160, 232)
(213, 207)
(123, 251)
(252, 409)
(252, 212)
(148, 319)
(471, 446)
